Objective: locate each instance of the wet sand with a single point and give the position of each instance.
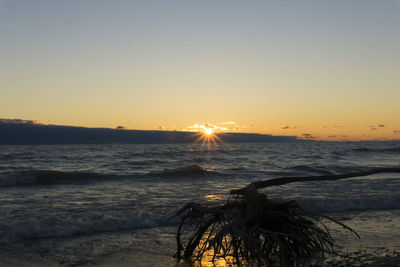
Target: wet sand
(152, 247)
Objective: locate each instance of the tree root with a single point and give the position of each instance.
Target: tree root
(250, 228)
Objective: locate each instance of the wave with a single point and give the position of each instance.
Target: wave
(351, 203)
(48, 177)
(53, 177)
(192, 170)
(61, 225)
(56, 225)
(329, 169)
(383, 150)
(311, 169)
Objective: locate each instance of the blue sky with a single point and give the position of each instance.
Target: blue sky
(265, 65)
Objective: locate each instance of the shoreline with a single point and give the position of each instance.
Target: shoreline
(152, 247)
(126, 258)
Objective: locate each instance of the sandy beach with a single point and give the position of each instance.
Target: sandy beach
(156, 247)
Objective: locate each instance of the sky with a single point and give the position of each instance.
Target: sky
(325, 70)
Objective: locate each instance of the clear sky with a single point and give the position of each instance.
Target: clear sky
(324, 69)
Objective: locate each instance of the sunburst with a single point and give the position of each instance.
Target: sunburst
(208, 137)
(208, 131)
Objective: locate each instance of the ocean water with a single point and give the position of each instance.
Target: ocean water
(105, 196)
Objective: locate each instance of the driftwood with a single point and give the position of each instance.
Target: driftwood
(250, 228)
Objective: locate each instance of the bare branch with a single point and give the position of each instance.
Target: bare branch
(288, 180)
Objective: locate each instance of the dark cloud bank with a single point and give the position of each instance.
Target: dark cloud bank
(13, 132)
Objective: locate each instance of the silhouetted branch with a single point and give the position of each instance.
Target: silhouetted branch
(288, 180)
(250, 228)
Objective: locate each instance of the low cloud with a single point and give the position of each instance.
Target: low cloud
(375, 127)
(19, 121)
(396, 131)
(288, 128)
(201, 127)
(307, 136)
(337, 136)
(228, 123)
(209, 126)
(197, 127)
(120, 127)
(247, 126)
(161, 128)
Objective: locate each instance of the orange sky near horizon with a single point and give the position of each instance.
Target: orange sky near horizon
(316, 70)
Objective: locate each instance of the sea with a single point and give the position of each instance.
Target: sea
(78, 205)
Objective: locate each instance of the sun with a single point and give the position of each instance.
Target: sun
(208, 134)
(208, 131)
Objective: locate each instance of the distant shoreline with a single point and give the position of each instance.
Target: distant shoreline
(39, 134)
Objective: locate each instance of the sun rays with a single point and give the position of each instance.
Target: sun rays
(208, 131)
(208, 137)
